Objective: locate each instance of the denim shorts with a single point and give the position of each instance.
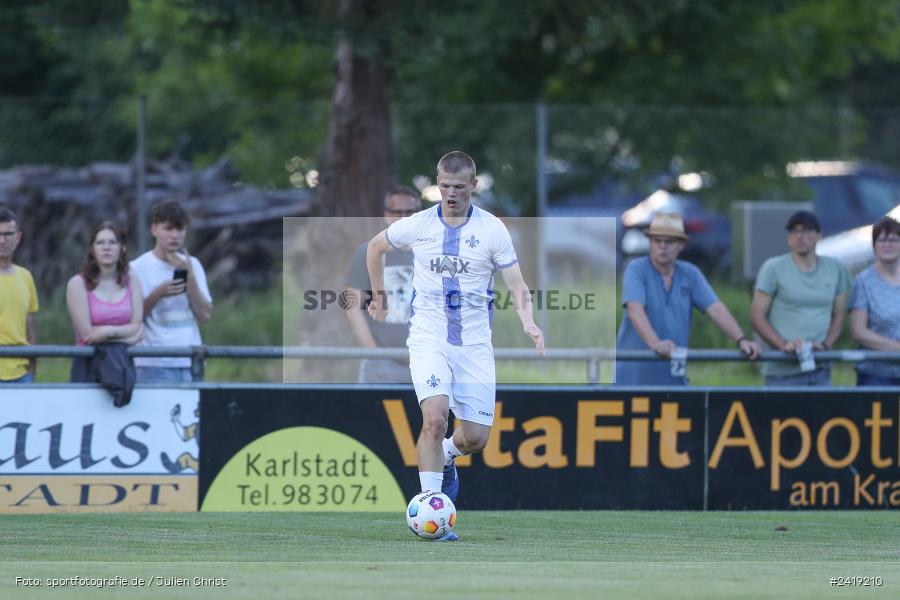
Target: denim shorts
(164, 375)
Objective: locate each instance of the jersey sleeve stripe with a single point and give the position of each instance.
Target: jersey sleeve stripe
(388, 238)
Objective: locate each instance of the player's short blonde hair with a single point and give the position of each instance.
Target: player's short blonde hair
(456, 162)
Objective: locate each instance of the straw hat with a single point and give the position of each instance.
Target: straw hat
(667, 225)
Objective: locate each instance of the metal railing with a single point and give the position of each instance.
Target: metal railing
(593, 357)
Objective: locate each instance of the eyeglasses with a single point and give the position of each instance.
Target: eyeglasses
(664, 241)
(802, 231)
(8, 235)
(888, 240)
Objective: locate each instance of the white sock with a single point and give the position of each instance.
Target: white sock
(450, 450)
(431, 481)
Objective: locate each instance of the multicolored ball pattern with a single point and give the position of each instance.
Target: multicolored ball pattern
(431, 515)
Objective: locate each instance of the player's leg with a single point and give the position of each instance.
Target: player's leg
(435, 414)
(473, 393)
(431, 379)
(470, 437)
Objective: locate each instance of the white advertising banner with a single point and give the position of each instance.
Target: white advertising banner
(72, 450)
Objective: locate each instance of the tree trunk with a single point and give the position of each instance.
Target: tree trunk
(356, 167)
(355, 171)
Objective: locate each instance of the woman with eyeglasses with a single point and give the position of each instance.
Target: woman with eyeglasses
(104, 299)
(875, 306)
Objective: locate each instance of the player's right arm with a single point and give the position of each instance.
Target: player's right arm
(377, 248)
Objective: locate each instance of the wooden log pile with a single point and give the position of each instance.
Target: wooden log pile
(235, 229)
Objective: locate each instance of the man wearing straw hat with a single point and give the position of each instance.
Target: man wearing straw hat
(659, 293)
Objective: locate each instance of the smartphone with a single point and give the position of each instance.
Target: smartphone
(180, 275)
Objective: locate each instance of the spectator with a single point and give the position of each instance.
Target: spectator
(176, 297)
(658, 293)
(800, 297)
(18, 304)
(104, 299)
(399, 202)
(875, 306)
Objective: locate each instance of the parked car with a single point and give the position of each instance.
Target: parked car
(854, 246)
(844, 195)
(582, 231)
(710, 231)
(847, 194)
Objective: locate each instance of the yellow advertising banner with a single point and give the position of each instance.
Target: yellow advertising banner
(305, 469)
(28, 494)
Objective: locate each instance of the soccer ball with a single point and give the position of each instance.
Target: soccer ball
(431, 515)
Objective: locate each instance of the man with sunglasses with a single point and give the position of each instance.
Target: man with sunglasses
(800, 297)
(399, 202)
(18, 303)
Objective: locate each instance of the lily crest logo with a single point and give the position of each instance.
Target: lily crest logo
(450, 264)
(472, 242)
(433, 382)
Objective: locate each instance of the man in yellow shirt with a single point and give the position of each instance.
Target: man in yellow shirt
(18, 304)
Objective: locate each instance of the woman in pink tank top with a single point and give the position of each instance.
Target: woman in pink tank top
(104, 300)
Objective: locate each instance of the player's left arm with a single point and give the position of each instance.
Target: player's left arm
(512, 277)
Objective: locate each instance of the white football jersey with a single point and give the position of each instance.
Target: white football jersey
(453, 272)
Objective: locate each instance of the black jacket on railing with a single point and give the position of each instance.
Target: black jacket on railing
(111, 367)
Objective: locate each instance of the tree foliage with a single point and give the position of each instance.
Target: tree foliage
(634, 88)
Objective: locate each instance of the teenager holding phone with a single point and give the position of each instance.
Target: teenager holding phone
(176, 296)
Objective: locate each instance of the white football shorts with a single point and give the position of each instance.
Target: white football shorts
(465, 374)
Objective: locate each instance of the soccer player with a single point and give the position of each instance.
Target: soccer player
(456, 249)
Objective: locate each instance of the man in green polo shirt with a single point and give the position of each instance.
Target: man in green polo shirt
(800, 297)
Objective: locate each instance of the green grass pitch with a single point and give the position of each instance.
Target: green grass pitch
(515, 554)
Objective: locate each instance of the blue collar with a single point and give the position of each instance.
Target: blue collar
(468, 216)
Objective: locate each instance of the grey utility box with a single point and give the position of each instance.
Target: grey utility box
(757, 233)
